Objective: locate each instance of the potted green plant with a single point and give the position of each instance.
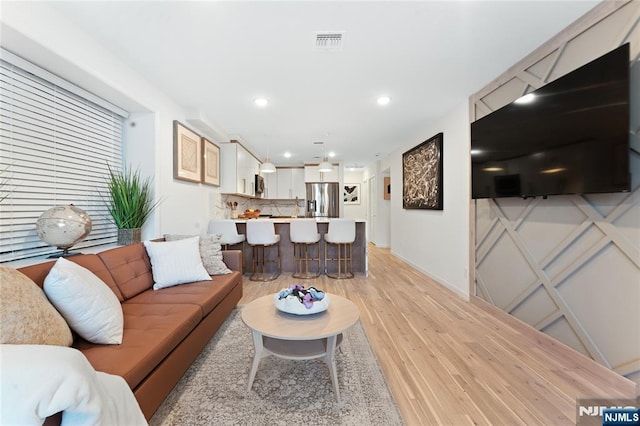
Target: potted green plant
(130, 203)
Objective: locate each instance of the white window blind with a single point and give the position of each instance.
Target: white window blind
(55, 148)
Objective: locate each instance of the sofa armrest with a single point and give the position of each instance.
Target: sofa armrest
(233, 260)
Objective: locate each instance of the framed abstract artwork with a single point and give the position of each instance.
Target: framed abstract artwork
(351, 193)
(187, 153)
(210, 163)
(422, 175)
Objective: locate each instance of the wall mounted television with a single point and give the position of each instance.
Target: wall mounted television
(571, 136)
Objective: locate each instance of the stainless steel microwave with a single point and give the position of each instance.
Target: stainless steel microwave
(259, 185)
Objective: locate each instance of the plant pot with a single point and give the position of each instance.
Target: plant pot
(128, 236)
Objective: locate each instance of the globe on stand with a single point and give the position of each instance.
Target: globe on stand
(63, 227)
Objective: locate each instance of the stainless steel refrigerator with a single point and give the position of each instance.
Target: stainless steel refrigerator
(323, 200)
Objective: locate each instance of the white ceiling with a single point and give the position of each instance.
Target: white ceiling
(215, 58)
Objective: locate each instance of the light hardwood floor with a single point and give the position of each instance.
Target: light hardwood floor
(451, 362)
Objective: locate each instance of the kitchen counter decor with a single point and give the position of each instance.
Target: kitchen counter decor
(249, 214)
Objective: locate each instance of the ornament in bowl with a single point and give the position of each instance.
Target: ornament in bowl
(299, 300)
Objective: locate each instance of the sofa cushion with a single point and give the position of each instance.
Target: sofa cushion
(176, 262)
(84, 300)
(130, 268)
(92, 262)
(210, 252)
(27, 316)
(205, 294)
(151, 332)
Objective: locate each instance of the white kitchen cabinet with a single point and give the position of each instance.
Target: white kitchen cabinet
(284, 183)
(311, 174)
(243, 185)
(238, 168)
(271, 185)
(298, 186)
(290, 183)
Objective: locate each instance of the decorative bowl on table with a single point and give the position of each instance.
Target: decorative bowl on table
(250, 214)
(299, 300)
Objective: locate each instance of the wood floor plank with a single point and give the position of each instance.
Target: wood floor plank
(449, 361)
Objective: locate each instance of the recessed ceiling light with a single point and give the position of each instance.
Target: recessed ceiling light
(261, 102)
(556, 170)
(526, 99)
(383, 100)
(287, 154)
(332, 154)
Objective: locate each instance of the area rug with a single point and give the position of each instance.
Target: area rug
(214, 389)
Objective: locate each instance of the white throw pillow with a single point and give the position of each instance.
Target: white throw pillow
(40, 381)
(87, 304)
(210, 252)
(176, 262)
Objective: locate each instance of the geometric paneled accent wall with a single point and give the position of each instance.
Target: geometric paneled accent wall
(568, 265)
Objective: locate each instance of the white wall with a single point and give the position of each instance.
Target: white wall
(356, 211)
(38, 33)
(379, 230)
(437, 242)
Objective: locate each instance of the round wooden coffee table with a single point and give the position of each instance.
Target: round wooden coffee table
(299, 337)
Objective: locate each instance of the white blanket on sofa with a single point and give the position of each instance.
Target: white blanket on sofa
(38, 381)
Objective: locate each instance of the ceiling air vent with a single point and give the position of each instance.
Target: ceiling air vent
(329, 40)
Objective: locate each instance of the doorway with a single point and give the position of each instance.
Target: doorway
(372, 210)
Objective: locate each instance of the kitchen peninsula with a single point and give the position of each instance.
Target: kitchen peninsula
(286, 246)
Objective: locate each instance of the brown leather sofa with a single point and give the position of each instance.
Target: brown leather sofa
(164, 330)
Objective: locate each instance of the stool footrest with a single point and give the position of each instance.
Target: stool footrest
(341, 276)
(344, 261)
(260, 272)
(305, 275)
(302, 258)
(264, 276)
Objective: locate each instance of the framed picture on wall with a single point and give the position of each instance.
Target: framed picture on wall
(210, 163)
(386, 194)
(187, 153)
(422, 175)
(351, 193)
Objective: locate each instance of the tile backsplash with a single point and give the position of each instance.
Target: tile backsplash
(266, 207)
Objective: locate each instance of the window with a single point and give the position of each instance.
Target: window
(56, 143)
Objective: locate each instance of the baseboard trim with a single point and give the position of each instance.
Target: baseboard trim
(434, 277)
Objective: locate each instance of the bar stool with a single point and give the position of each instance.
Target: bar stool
(261, 234)
(304, 233)
(228, 232)
(342, 234)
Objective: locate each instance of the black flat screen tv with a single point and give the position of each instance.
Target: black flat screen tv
(571, 136)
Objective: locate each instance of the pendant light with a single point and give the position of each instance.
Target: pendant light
(267, 166)
(325, 166)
